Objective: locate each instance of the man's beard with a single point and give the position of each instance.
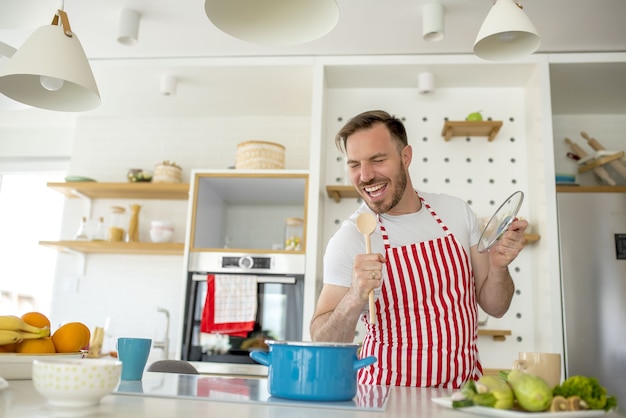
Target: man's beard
(399, 184)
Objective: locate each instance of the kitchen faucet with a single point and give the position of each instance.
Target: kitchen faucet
(165, 344)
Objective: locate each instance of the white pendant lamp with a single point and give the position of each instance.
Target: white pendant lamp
(506, 34)
(51, 71)
(6, 52)
(274, 22)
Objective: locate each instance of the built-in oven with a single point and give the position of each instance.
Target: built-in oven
(279, 281)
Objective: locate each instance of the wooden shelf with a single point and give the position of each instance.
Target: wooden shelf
(339, 192)
(590, 189)
(497, 334)
(105, 247)
(486, 128)
(532, 238)
(94, 190)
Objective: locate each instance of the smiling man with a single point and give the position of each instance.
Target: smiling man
(426, 272)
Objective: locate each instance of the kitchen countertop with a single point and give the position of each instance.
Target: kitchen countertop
(161, 399)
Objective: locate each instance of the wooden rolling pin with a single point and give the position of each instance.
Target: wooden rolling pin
(617, 165)
(600, 171)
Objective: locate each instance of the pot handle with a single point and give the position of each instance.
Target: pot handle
(260, 356)
(365, 361)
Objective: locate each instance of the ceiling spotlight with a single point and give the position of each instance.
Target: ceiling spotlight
(129, 27)
(168, 85)
(426, 83)
(506, 34)
(50, 70)
(432, 22)
(274, 22)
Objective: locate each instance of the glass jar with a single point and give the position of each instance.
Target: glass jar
(81, 233)
(294, 228)
(116, 224)
(99, 235)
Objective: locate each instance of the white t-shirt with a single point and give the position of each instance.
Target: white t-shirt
(402, 230)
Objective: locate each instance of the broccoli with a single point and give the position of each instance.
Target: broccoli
(588, 389)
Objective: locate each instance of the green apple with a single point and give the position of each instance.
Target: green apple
(475, 116)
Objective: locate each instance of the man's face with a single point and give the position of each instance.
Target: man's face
(377, 169)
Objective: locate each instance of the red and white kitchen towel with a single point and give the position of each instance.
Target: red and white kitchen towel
(231, 304)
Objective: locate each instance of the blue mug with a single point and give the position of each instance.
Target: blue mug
(133, 353)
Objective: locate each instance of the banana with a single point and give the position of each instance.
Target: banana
(13, 323)
(10, 336)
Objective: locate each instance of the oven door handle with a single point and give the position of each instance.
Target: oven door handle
(259, 279)
(276, 279)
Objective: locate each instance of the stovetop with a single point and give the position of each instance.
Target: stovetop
(240, 390)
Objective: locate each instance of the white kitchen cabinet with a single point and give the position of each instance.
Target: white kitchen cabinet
(239, 210)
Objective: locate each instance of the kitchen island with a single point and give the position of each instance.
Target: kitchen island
(189, 396)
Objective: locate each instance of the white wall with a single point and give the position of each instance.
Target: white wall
(124, 291)
(478, 171)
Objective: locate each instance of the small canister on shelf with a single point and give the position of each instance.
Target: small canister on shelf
(116, 225)
(294, 228)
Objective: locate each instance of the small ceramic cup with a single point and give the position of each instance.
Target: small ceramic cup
(544, 365)
(133, 353)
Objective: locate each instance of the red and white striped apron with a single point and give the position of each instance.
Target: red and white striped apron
(426, 321)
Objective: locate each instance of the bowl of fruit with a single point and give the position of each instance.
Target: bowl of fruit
(138, 175)
(29, 337)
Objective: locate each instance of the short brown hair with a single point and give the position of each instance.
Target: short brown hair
(367, 120)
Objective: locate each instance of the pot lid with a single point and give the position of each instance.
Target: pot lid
(500, 221)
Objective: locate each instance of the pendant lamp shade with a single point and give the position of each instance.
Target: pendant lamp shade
(506, 34)
(51, 71)
(274, 22)
(6, 52)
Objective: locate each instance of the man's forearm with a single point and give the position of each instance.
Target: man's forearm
(496, 293)
(338, 325)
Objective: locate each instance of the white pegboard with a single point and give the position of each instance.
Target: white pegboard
(482, 173)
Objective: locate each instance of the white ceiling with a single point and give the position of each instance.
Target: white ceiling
(180, 29)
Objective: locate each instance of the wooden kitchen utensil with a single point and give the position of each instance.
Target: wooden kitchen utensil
(600, 171)
(617, 164)
(95, 346)
(366, 224)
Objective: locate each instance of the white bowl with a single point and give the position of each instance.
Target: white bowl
(76, 383)
(161, 231)
(17, 366)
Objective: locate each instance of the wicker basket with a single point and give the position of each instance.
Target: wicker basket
(255, 155)
(164, 173)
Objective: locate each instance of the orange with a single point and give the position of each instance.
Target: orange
(36, 346)
(8, 348)
(36, 319)
(71, 337)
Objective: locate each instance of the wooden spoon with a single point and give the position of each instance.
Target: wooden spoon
(366, 224)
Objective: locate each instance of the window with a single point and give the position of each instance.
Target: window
(29, 212)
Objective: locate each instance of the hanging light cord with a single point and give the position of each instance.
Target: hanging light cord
(65, 22)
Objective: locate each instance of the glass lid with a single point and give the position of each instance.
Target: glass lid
(500, 221)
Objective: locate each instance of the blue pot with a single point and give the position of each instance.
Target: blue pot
(312, 371)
